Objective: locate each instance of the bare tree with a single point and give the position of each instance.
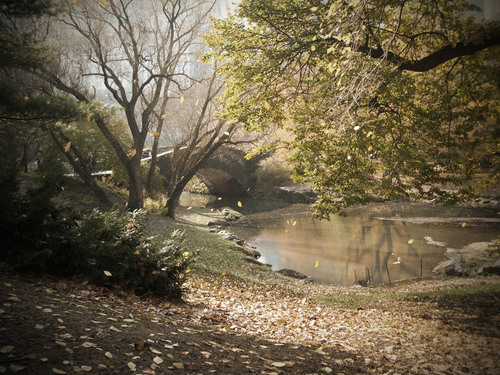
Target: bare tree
(135, 54)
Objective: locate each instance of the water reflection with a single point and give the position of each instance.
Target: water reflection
(342, 249)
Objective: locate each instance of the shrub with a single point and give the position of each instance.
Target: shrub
(118, 252)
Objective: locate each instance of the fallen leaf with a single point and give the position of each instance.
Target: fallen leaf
(6, 349)
(108, 355)
(132, 366)
(16, 368)
(107, 273)
(86, 368)
(57, 371)
(278, 364)
(157, 360)
(178, 365)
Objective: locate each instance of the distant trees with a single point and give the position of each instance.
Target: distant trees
(141, 57)
(384, 99)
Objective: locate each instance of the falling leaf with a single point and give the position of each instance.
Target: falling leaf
(68, 145)
(137, 252)
(464, 225)
(410, 241)
(48, 101)
(26, 98)
(163, 116)
(240, 204)
(99, 63)
(182, 99)
(88, 118)
(107, 273)
(317, 264)
(156, 134)
(134, 151)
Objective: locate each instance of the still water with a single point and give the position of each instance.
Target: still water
(396, 240)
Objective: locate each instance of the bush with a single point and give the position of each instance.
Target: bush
(118, 252)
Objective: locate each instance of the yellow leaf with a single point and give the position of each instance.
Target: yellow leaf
(267, 106)
(68, 145)
(137, 252)
(182, 99)
(410, 241)
(156, 134)
(26, 98)
(370, 148)
(314, 9)
(313, 48)
(154, 272)
(317, 264)
(48, 101)
(464, 225)
(163, 116)
(134, 151)
(99, 63)
(88, 118)
(240, 204)
(185, 254)
(223, 274)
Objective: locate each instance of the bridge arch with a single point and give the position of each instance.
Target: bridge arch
(226, 173)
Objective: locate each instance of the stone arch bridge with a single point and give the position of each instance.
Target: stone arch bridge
(226, 173)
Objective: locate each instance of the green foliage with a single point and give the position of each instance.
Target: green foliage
(384, 99)
(117, 251)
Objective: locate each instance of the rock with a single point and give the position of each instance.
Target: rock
(218, 223)
(490, 269)
(451, 267)
(248, 250)
(294, 194)
(250, 259)
(292, 273)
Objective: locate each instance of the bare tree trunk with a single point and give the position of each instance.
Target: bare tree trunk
(154, 162)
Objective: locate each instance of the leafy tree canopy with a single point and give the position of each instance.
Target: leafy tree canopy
(384, 99)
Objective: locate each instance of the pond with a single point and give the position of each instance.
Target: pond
(390, 240)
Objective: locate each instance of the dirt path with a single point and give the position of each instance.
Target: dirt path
(55, 327)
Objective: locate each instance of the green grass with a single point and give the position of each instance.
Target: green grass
(478, 295)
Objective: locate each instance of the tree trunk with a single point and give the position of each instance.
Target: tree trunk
(173, 200)
(152, 167)
(135, 195)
